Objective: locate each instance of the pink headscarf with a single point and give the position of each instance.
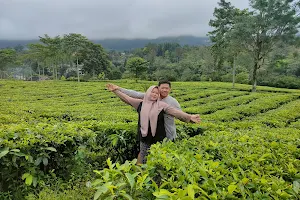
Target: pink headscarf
(150, 111)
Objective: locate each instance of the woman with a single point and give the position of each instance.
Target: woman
(151, 121)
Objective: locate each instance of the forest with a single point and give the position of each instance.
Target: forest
(259, 47)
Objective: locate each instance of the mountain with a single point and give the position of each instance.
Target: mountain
(129, 44)
(125, 44)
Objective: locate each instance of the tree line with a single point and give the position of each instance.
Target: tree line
(257, 46)
(55, 57)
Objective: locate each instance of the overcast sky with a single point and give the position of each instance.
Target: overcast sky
(98, 19)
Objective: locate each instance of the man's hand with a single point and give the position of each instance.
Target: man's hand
(112, 87)
(195, 118)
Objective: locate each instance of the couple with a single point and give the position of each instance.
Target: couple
(152, 112)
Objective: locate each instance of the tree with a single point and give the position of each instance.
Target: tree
(53, 52)
(270, 22)
(19, 48)
(7, 56)
(225, 47)
(36, 54)
(95, 59)
(150, 52)
(74, 43)
(137, 66)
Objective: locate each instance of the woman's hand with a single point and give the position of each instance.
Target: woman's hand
(195, 118)
(111, 87)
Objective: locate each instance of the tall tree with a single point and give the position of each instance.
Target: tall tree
(225, 47)
(270, 22)
(137, 66)
(73, 44)
(7, 57)
(36, 54)
(53, 51)
(95, 59)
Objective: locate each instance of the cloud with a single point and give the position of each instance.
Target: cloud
(96, 19)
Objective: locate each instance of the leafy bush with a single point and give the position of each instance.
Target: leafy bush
(167, 74)
(63, 78)
(280, 82)
(62, 192)
(226, 78)
(217, 165)
(204, 78)
(114, 74)
(242, 78)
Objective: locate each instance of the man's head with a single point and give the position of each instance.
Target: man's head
(164, 87)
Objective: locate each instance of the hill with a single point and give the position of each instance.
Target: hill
(124, 44)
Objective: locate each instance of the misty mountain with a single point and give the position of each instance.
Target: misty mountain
(125, 44)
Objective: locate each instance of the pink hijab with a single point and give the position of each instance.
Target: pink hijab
(150, 111)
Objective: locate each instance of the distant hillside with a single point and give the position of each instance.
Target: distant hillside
(124, 44)
(128, 44)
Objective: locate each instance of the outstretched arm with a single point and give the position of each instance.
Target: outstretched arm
(182, 116)
(127, 99)
(131, 93)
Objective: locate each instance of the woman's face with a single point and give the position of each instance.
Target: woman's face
(154, 94)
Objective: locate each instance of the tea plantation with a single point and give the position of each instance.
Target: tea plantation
(69, 140)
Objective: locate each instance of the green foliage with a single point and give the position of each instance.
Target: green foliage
(126, 181)
(280, 81)
(57, 189)
(54, 134)
(73, 55)
(223, 165)
(137, 66)
(243, 78)
(48, 194)
(95, 59)
(114, 74)
(167, 74)
(63, 78)
(101, 76)
(257, 31)
(7, 56)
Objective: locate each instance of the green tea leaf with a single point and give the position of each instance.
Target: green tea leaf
(126, 196)
(15, 150)
(25, 176)
(28, 180)
(191, 191)
(231, 188)
(263, 181)
(119, 185)
(34, 182)
(109, 163)
(130, 179)
(45, 161)
(97, 172)
(101, 190)
(296, 186)
(4, 151)
(38, 161)
(245, 181)
(203, 172)
(163, 194)
(51, 149)
(110, 197)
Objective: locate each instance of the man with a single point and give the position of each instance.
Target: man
(164, 89)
